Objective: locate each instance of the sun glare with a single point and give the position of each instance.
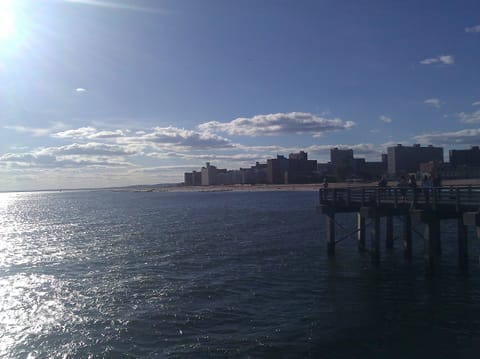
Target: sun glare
(8, 20)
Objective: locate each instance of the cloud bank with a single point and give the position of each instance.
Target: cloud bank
(278, 124)
(468, 136)
(472, 117)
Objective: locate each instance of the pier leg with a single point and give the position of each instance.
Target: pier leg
(330, 224)
(472, 219)
(431, 236)
(462, 244)
(407, 237)
(389, 234)
(437, 245)
(361, 232)
(375, 234)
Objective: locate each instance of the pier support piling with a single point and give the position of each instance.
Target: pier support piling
(407, 236)
(375, 237)
(361, 232)
(432, 242)
(472, 219)
(389, 232)
(462, 244)
(330, 224)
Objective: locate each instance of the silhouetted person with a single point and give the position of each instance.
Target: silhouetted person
(437, 183)
(402, 184)
(382, 184)
(426, 185)
(412, 183)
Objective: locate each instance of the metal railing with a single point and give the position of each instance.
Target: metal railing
(365, 196)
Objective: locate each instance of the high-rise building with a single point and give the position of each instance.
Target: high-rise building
(469, 158)
(407, 159)
(209, 175)
(340, 157)
(276, 169)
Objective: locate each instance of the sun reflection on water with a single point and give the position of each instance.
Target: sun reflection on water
(27, 309)
(32, 302)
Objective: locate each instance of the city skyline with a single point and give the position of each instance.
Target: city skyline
(98, 93)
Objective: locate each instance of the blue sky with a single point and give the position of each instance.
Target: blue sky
(98, 93)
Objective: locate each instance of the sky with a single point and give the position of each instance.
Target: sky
(99, 93)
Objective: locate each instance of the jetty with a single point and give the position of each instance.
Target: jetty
(427, 206)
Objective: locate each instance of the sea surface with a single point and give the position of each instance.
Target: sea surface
(219, 274)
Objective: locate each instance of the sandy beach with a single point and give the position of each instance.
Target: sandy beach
(291, 187)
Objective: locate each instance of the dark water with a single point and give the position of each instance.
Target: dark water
(194, 275)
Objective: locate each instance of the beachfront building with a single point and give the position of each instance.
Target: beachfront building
(407, 159)
(301, 169)
(297, 168)
(209, 175)
(339, 157)
(193, 178)
(276, 169)
(468, 158)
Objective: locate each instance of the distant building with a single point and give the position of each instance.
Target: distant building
(343, 163)
(276, 170)
(254, 175)
(340, 157)
(193, 178)
(300, 156)
(209, 175)
(301, 169)
(469, 158)
(407, 159)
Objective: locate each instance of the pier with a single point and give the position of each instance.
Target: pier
(427, 206)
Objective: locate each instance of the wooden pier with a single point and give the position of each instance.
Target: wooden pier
(411, 205)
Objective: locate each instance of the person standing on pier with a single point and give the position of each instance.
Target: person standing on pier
(382, 184)
(402, 184)
(412, 183)
(426, 186)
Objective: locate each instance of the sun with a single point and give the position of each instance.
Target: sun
(7, 20)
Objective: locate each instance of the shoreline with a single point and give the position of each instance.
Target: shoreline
(290, 187)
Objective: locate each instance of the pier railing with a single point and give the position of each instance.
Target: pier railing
(458, 196)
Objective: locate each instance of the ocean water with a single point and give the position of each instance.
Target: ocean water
(223, 274)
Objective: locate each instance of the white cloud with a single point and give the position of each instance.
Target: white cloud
(74, 155)
(179, 139)
(385, 119)
(88, 133)
(107, 134)
(473, 117)
(444, 59)
(79, 133)
(80, 89)
(37, 132)
(92, 149)
(40, 160)
(473, 29)
(476, 103)
(435, 102)
(467, 136)
(278, 124)
(210, 157)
